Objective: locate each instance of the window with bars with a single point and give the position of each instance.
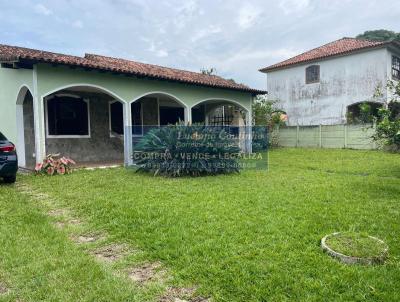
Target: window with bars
(312, 74)
(221, 117)
(396, 68)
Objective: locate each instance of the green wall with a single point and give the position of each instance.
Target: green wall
(51, 78)
(11, 80)
(128, 88)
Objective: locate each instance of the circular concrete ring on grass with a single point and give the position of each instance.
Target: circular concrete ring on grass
(355, 248)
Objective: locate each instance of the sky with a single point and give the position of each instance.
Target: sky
(235, 37)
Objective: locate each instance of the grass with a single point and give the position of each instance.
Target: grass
(356, 245)
(248, 237)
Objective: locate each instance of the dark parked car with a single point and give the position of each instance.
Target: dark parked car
(8, 160)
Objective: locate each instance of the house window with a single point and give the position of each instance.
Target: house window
(116, 118)
(221, 116)
(312, 74)
(137, 118)
(67, 116)
(396, 68)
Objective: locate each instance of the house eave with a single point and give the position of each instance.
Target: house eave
(30, 62)
(306, 62)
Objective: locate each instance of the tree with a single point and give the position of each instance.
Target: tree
(209, 71)
(379, 35)
(265, 112)
(388, 121)
(265, 117)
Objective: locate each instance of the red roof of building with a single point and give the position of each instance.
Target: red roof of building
(340, 47)
(116, 65)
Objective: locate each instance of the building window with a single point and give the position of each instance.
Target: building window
(221, 116)
(67, 116)
(116, 118)
(137, 118)
(312, 74)
(396, 68)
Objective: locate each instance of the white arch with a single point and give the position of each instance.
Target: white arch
(219, 100)
(186, 108)
(22, 91)
(101, 88)
(20, 98)
(161, 92)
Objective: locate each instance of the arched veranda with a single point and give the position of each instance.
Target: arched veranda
(95, 127)
(85, 123)
(229, 114)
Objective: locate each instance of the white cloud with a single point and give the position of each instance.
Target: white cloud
(42, 10)
(186, 13)
(206, 32)
(237, 37)
(293, 6)
(254, 55)
(77, 24)
(162, 53)
(158, 51)
(248, 15)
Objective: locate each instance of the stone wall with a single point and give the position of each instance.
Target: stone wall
(100, 147)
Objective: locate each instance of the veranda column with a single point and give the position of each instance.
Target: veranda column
(188, 115)
(38, 119)
(249, 132)
(128, 144)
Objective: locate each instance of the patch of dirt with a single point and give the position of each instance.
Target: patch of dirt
(23, 188)
(88, 238)
(200, 299)
(74, 221)
(59, 225)
(111, 253)
(3, 289)
(177, 294)
(182, 294)
(146, 272)
(56, 213)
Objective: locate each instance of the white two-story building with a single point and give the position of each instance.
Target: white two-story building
(323, 85)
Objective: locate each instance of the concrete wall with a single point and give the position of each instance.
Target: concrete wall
(344, 81)
(331, 136)
(100, 146)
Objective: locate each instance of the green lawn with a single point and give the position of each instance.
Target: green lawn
(252, 236)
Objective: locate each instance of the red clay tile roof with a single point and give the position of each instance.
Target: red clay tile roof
(20, 54)
(335, 48)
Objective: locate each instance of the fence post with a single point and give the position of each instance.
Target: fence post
(374, 129)
(297, 135)
(345, 136)
(320, 135)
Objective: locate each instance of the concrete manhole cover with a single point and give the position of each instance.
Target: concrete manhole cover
(355, 248)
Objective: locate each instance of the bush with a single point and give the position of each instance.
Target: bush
(388, 121)
(179, 150)
(54, 164)
(266, 114)
(261, 138)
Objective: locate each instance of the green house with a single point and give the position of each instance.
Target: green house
(82, 106)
